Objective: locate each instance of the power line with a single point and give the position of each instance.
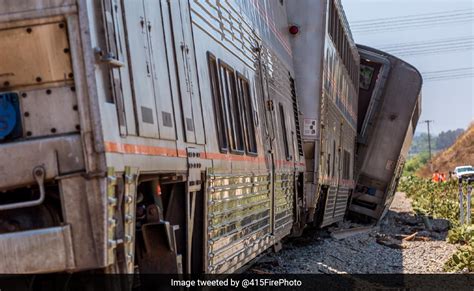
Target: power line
(448, 74)
(437, 51)
(428, 47)
(449, 70)
(395, 28)
(449, 77)
(425, 43)
(414, 20)
(408, 16)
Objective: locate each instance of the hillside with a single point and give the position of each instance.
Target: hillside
(459, 154)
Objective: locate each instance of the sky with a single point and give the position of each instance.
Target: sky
(448, 102)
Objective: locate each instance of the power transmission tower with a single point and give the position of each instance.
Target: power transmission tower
(429, 141)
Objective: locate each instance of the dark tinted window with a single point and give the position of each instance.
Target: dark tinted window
(248, 114)
(284, 132)
(219, 104)
(233, 108)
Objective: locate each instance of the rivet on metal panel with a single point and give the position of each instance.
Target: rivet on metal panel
(112, 243)
(112, 201)
(128, 199)
(112, 222)
(112, 179)
(128, 218)
(129, 178)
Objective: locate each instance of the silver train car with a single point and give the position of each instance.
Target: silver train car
(183, 136)
(388, 115)
(147, 136)
(327, 71)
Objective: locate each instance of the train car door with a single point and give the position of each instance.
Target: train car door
(141, 65)
(183, 46)
(268, 131)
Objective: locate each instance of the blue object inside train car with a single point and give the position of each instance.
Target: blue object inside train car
(10, 119)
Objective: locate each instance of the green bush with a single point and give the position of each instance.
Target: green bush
(461, 235)
(415, 163)
(441, 200)
(462, 260)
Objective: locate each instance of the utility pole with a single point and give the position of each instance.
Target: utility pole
(429, 141)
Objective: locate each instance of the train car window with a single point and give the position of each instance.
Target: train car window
(366, 74)
(248, 120)
(346, 165)
(219, 109)
(284, 132)
(233, 108)
(329, 165)
(297, 116)
(333, 158)
(334, 20)
(340, 38)
(330, 18)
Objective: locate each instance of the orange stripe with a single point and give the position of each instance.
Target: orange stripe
(112, 147)
(230, 157)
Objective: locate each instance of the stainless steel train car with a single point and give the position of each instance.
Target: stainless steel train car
(168, 138)
(145, 136)
(389, 109)
(327, 71)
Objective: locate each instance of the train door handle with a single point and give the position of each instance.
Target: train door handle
(39, 174)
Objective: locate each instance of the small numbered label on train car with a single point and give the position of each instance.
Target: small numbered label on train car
(310, 127)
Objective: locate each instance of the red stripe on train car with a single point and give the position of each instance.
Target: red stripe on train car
(113, 147)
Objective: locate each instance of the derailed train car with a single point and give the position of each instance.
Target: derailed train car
(326, 62)
(388, 112)
(164, 136)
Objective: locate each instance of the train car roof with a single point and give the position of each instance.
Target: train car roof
(392, 57)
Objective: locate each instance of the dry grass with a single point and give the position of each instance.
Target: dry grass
(459, 154)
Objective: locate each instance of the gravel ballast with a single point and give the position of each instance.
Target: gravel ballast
(384, 249)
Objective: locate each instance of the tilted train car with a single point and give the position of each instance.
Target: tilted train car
(389, 109)
(327, 71)
(164, 136)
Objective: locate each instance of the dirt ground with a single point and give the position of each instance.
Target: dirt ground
(401, 243)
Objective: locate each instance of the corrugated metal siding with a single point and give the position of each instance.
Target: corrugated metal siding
(239, 221)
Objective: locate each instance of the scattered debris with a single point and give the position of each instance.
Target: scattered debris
(410, 237)
(427, 223)
(345, 233)
(401, 244)
(390, 242)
